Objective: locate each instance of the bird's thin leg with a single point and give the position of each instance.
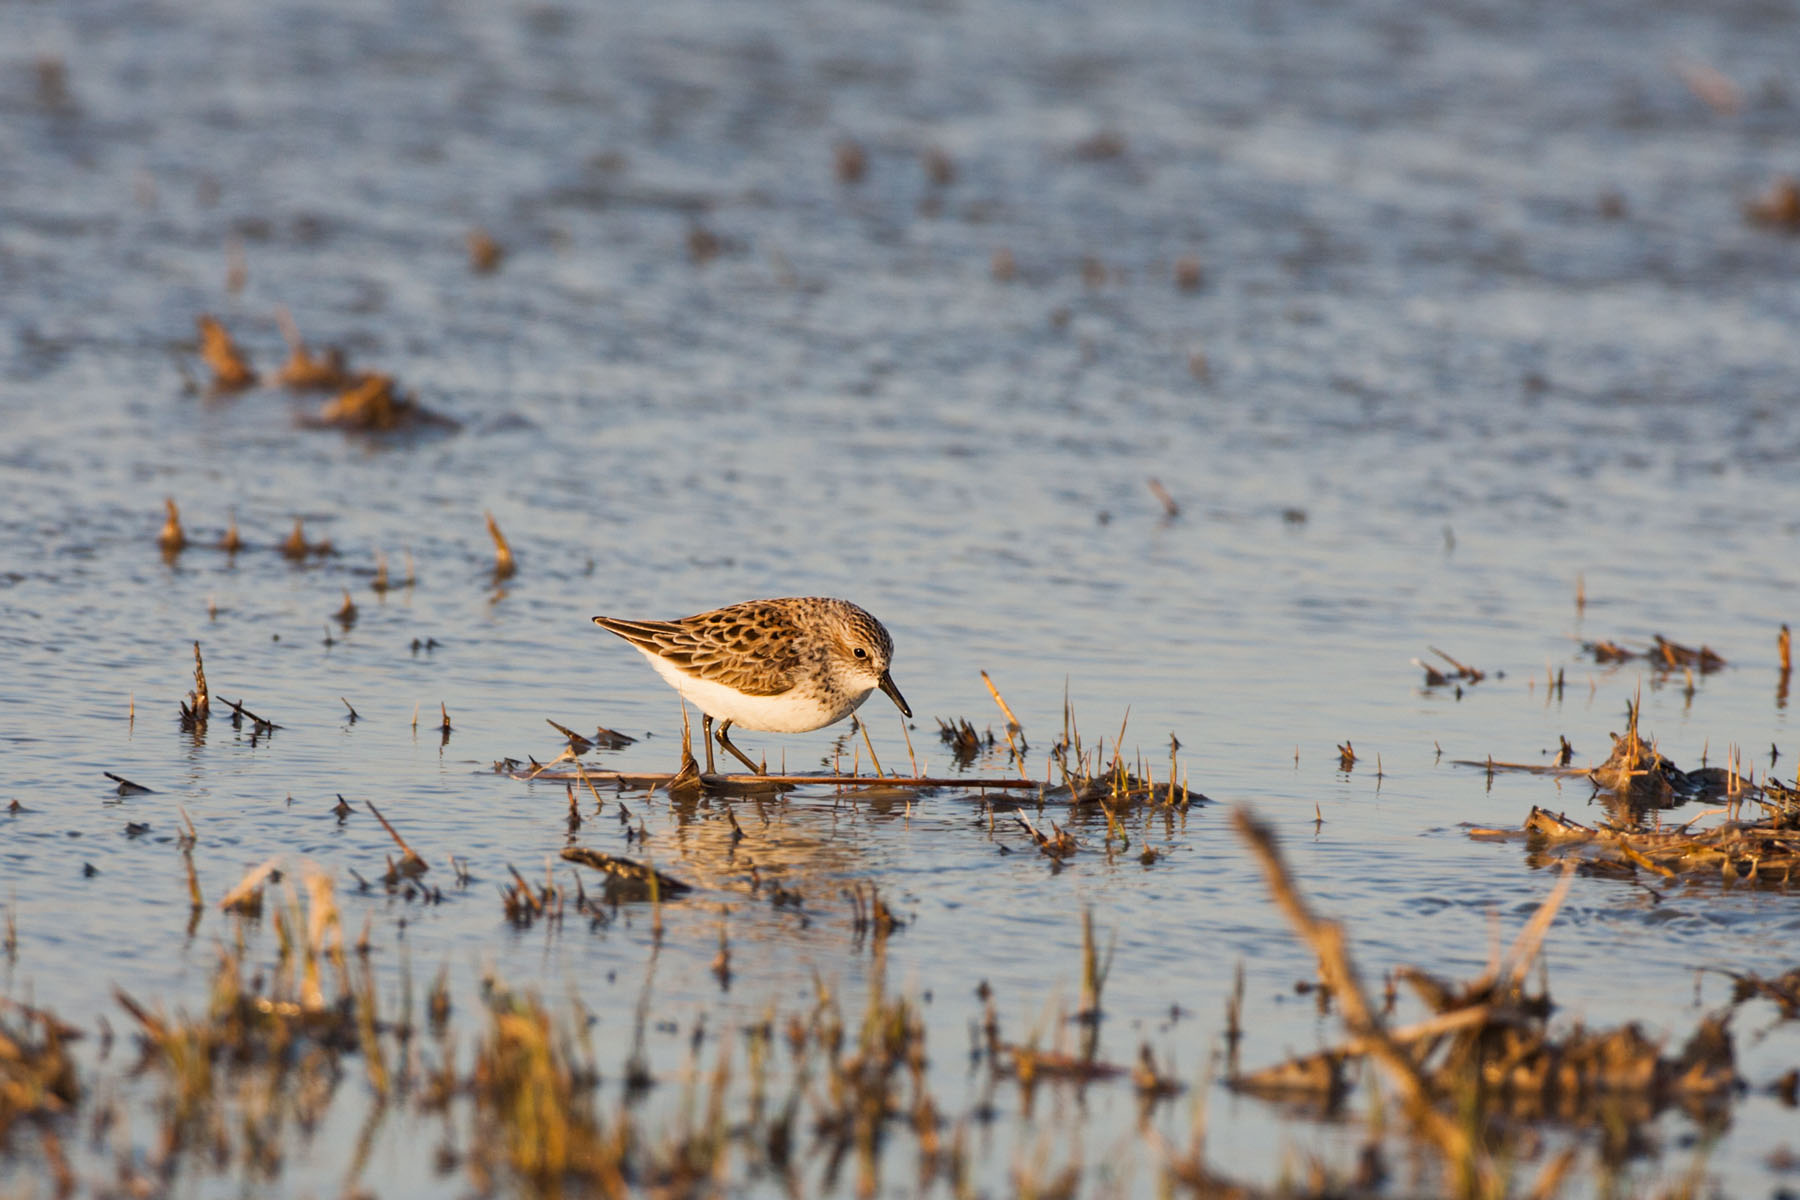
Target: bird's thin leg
(706, 736)
(726, 742)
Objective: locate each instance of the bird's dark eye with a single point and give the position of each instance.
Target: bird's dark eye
(861, 653)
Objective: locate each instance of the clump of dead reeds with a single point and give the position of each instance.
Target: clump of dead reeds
(1459, 673)
(304, 370)
(1473, 1075)
(373, 403)
(535, 1105)
(1661, 653)
(231, 370)
(38, 1079)
(198, 706)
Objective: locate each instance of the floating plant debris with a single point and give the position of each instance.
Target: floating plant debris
(127, 787)
(231, 370)
(485, 254)
(1487, 1043)
(373, 404)
(305, 371)
(1764, 852)
(1636, 774)
(626, 878)
(1458, 672)
(1661, 652)
(1778, 207)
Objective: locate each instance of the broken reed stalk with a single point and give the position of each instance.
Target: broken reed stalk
(171, 539)
(504, 565)
(1012, 724)
(1474, 1170)
(910, 756)
(1171, 509)
(295, 546)
(864, 726)
(581, 774)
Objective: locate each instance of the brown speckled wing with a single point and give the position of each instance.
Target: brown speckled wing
(750, 647)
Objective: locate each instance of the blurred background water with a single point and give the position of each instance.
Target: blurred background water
(1420, 315)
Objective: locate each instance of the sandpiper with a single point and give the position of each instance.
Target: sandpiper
(786, 665)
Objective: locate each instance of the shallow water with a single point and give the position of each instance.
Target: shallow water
(1441, 384)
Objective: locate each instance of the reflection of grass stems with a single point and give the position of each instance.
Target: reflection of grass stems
(1094, 971)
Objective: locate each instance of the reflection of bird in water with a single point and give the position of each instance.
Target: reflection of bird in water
(786, 666)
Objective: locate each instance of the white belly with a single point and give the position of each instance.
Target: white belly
(794, 711)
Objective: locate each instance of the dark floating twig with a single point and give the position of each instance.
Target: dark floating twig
(611, 739)
(1458, 671)
(577, 743)
(304, 371)
(354, 718)
(239, 713)
(296, 546)
(628, 879)
(485, 254)
(127, 787)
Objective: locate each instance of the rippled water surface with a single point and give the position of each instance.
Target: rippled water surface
(1478, 315)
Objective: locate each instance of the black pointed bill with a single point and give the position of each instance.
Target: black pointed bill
(893, 693)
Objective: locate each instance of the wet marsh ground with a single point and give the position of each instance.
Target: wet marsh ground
(1462, 336)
